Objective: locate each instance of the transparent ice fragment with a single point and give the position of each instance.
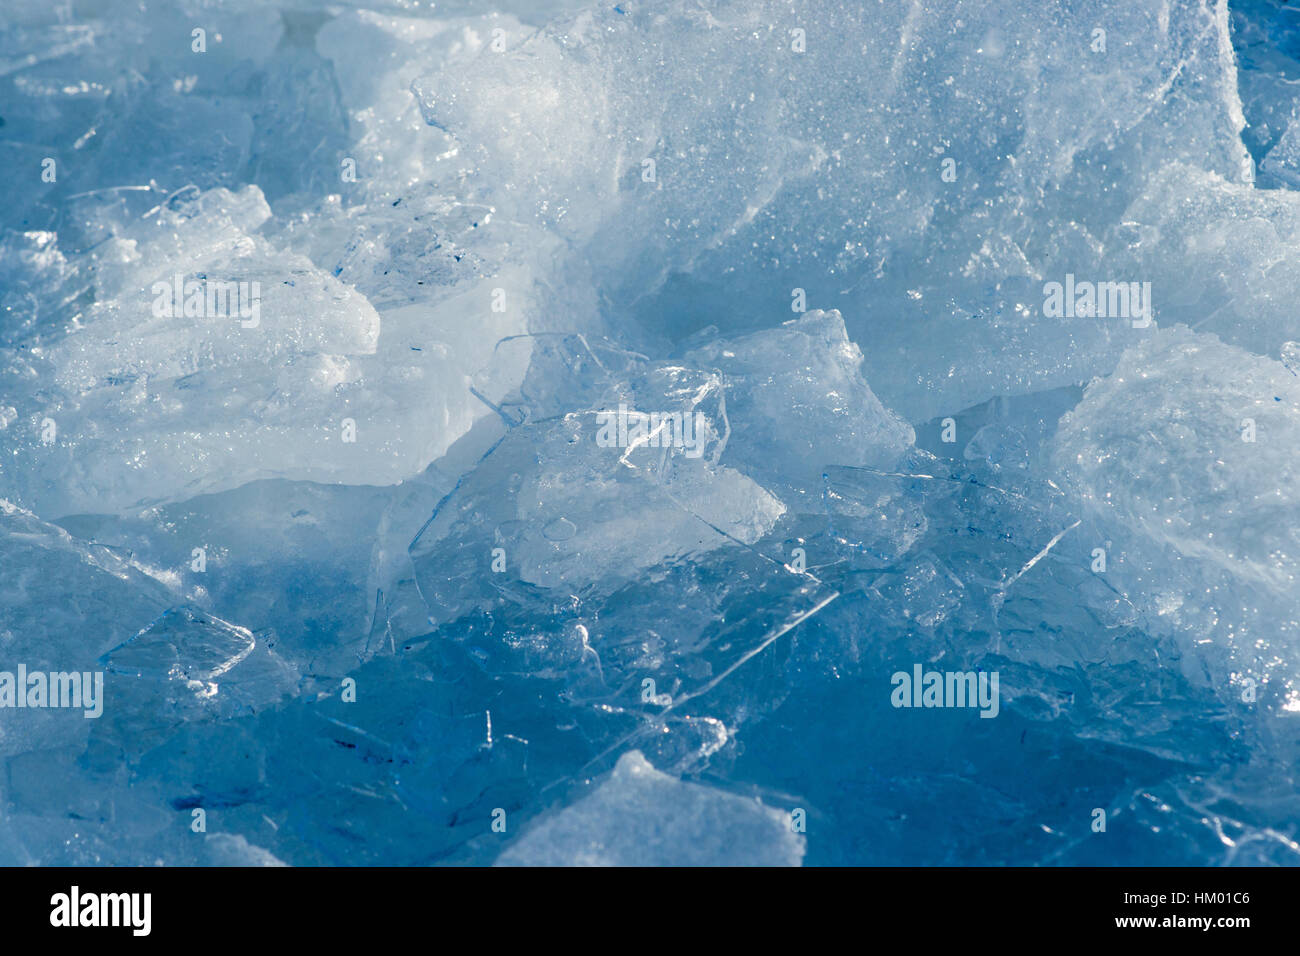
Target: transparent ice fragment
(797, 401)
(188, 663)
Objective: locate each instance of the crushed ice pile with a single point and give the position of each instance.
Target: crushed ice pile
(655, 431)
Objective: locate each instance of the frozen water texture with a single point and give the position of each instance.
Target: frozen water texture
(1188, 452)
(378, 561)
(822, 170)
(641, 817)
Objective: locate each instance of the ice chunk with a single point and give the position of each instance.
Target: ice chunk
(641, 817)
(554, 501)
(282, 375)
(1187, 452)
(967, 156)
(280, 305)
(796, 400)
(183, 646)
(553, 494)
(1219, 256)
(232, 849)
(62, 603)
(188, 667)
(242, 555)
(1283, 160)
(149, 395)
(38, 286)
(115, 595)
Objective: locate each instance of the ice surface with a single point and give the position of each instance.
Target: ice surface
(62, 603)
(806, 376)
(1051, 140)
(641, 817)
(566, 507)
(150, 408)
(201, 661)
(1187, 450)
(381, 572)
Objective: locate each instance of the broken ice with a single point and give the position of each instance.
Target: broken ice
(535, 433)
